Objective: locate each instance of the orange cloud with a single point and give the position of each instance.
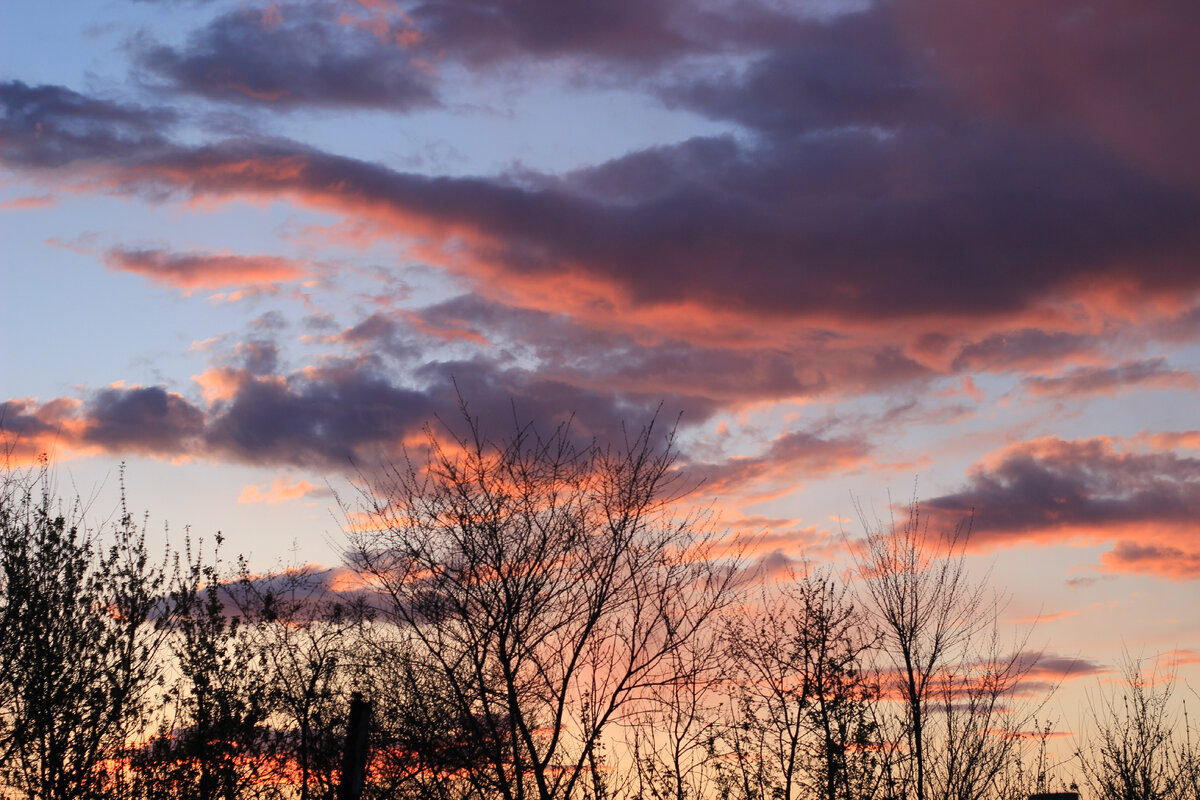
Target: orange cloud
(1052, 617)
(1189, 440)
(790, 457)
(220, 383)
(486, 241)
(29, 430)
(281, 491)
(1180, 658)
(1148, 557)
(133, 419)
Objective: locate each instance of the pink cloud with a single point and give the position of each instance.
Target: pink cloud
(28, 203)
(790, 457)
(1051, 617)
(205, 270)
(1101, 380)
(1180, 658)
(281, 491)
(1156, 559)
(1170, 440)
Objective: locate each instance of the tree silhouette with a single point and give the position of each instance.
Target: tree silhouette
(546, 584)
(82, 631)
(804, 701)
(1143, 747)
(939, 636)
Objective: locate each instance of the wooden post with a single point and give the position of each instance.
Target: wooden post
(354, 757)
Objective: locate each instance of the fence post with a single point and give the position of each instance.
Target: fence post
(354, 757)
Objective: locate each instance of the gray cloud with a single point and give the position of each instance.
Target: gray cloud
(49, 126)
(306, 58)
(1150, 373)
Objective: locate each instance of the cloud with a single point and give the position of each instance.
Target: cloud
(877, 221)
(1154, 559)
(872, 183)
(775, 549)
(495, 392)
(1114, 71)
(1056, 668)
(29, 202)
(147, 420)
(1023, 349)
(856, 69)
(302, 57)
(1172, 440)
(335, 415)
(400, 333)
(1089, 580)
(823, 230)
(622, 30)
(790, 458)
(281, 491)
(1055, 616)
(709, 368)
(1180, 657)
(50, 126)
(328, 417)
(1151, 373)
(628, 38)
(191, 271)
(258, 357)
(1053, 490)
(300, 594)
(29, 430)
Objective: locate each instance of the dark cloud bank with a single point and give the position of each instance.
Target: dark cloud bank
(877, 181)
(920, 166)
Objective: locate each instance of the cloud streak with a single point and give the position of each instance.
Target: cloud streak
(1151, 373)
(281, 491)
(191, 271)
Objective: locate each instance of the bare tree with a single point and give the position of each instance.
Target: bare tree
(803, 701)
(421, 744)
(939, 639)
(304, 639)
(673, 740)
(1145, 747)
(547, 584)
(211, 734)
(981, 723)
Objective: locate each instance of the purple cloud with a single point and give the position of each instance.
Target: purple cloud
(1052, 490)
(304, 57)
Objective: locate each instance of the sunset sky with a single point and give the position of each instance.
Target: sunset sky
(864, 249)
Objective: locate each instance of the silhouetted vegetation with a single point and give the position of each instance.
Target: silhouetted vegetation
(82, 632)
(1142, 747)
(532, 620)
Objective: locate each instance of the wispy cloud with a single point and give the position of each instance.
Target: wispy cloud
(190, 271)
(1151, 373)
(282, 490)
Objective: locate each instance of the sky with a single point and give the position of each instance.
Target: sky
(862, 251)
